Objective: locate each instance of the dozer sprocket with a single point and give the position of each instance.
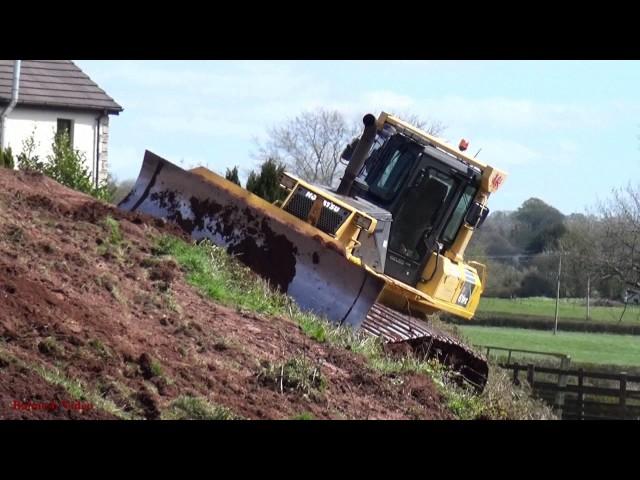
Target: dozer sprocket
(426, 341)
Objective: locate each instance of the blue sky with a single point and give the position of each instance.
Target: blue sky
(565, 131)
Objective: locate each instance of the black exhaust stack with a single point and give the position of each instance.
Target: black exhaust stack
(359, 155)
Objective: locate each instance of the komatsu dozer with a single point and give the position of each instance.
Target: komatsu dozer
(379, 252)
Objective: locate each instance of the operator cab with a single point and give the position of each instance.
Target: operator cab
(428, 192)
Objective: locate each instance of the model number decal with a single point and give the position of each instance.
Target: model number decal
(465, 294)
(327, 204)
(399, 260)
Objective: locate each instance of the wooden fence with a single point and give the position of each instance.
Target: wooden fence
(583, 395)
(576, 394)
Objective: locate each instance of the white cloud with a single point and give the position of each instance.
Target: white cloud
(239, 101)
(237, 80)
(225, 105)
(568, 146)
(243, 97)
(125, 160)
(513, 114)
(503, 153)
(388, 100)
(275, 90)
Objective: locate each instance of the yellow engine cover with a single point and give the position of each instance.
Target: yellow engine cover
(454, 287)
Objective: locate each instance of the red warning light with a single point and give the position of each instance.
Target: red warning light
(463, 145)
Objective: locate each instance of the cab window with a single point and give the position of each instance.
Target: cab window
(451, 230)
(389, 177)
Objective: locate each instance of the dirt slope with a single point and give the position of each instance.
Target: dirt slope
(134, 333)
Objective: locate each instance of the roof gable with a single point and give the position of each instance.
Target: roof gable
(54, 83)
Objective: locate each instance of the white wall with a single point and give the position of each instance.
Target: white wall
(23, 121)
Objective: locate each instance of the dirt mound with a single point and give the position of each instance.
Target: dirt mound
(93, 324)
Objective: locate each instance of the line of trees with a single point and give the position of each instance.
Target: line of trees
(601, 249)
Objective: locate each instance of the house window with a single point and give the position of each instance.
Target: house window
(66, 124)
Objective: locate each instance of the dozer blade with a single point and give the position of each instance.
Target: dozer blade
(295, 257)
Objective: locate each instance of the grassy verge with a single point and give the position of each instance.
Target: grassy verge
(594, 348)
(220, 277)
(568, 309)
(223, 279)
(513, 320)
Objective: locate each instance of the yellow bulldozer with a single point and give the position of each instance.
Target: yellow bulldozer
(378, 252)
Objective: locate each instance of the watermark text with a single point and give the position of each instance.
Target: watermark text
(51, 406)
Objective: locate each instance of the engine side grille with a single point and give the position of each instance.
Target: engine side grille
(330, 221)
(299, 205)
(331, 216)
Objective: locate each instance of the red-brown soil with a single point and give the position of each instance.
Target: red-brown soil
(125, 323)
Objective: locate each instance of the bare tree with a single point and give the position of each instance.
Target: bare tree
(580, 247)
(432, 127)
(619, 251)
(310, 145)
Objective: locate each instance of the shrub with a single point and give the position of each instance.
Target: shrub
(6, 158)
(534, 284)
(232, 175)
(266, 184)
(65, 165)
(27, 159)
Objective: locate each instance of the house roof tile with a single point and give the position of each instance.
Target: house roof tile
(54, 83)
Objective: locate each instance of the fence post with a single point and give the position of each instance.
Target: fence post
(580, 394)
(588, 295)
(516, 373)
(530, 373)
(562, 382)
(623, 394)
(555, 326)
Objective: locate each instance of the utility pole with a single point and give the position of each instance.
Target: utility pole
(588, 294)
(555, 327)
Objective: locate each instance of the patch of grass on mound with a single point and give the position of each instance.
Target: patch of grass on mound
(75, 388)
(297, 374)
(224, 279)
(197, 408)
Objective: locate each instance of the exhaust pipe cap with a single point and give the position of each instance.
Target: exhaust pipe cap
(368, 120)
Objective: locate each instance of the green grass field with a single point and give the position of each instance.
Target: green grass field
(568, 309)
(595, 348)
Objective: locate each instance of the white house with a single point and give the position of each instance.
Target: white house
(42, 97)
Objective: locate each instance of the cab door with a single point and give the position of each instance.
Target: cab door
(418, 217)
